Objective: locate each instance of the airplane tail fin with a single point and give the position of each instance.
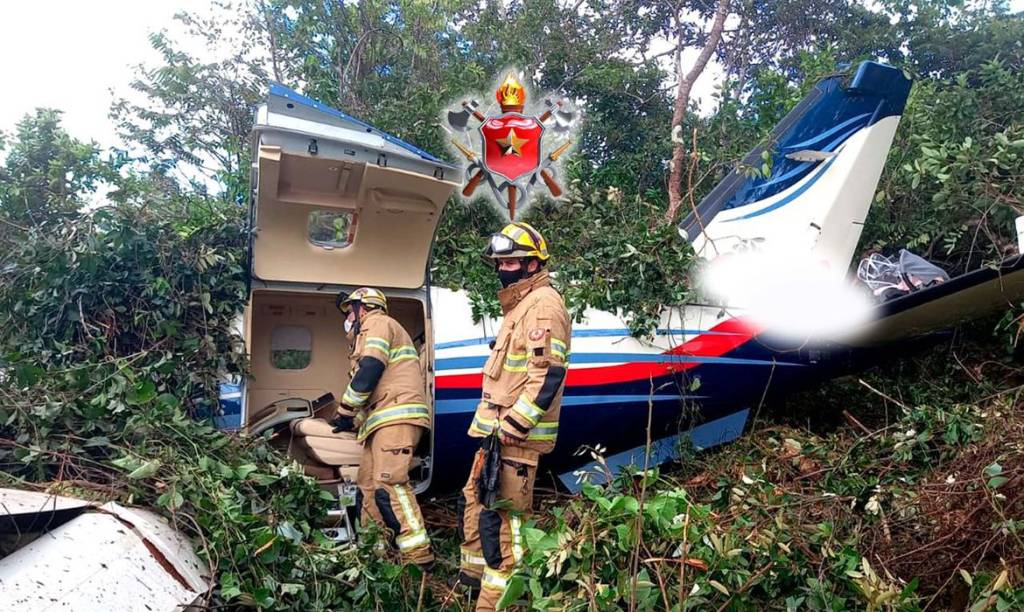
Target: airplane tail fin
(827, 156)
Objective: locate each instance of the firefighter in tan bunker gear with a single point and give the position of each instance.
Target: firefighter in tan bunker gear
(522, 392)
(387, 396)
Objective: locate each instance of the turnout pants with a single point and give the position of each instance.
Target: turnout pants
(387, 498)
(492, 544)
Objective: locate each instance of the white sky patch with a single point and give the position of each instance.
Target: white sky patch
(68, 54)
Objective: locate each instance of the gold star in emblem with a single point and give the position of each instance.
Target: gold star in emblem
(512, 144)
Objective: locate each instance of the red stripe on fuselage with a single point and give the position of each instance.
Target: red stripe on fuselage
(730, 334)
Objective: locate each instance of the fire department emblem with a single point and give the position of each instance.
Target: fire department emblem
(512, 159)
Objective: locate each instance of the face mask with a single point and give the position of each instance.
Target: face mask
(352, 327)
(510, 277)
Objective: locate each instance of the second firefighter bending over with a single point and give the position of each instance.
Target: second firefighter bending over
(387, 394)
(518, 413)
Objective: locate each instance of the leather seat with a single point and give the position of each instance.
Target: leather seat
(324, 454)
(280, 412)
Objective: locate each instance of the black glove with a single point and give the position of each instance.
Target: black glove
(343, 423)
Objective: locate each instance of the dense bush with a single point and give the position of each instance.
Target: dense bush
(920, 510)
(115, 326)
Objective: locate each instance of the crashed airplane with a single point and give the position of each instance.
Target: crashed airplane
(702, 371)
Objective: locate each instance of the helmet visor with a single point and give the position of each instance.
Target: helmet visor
(500, 245)
(343, 302)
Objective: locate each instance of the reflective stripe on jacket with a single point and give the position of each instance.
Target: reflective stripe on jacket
(399, 395)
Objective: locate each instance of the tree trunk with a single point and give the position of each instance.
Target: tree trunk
(272, 38)
(686, 81)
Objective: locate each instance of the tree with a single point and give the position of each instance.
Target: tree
(47, 174)
(192, 118)
(686, 79)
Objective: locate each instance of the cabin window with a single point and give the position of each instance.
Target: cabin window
(331, 229)
(291, 347)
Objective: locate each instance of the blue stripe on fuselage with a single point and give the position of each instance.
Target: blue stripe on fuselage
(447, 406)
(477, 361)
(591, 333)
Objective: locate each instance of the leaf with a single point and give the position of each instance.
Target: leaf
(998, 481)
(719, 587)
(537, 540)
(171, 499)
(625, 503)
(97, 441)
(245, 470)
(229, 588)
(167, 400)
(291, 588)
(28, 375)
(142, 393)
(536, 591)
(516, 587)
(126, 463)
(993, 470)
(145, 470)
(287, 529)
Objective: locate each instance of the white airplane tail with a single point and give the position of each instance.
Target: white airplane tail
(827, 156)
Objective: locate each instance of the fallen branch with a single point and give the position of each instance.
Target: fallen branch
(885, 396)
(852, 420)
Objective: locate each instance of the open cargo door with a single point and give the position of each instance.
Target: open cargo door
(339, 202)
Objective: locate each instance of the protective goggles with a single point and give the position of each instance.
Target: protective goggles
(502, 245)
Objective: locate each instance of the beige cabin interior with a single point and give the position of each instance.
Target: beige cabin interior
(329, 350)
(298, 354)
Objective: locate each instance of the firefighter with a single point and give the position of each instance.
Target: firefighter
(522, 391)
(385, 400)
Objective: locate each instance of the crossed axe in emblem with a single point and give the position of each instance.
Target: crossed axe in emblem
(557, 111)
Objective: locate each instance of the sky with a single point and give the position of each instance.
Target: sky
(69, 54)
(98, 43)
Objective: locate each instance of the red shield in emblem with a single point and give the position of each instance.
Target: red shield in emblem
(511, 145)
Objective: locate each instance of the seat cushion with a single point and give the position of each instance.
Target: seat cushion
(321, 444)
(319, 428)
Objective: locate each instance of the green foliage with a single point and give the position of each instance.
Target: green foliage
(594, 261)
(785, 519)
(47, 172)
(116, 327)
(613, 253)
(950, 193)
(692, 555)
(195, 117)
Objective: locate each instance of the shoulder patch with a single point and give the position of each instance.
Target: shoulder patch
(537, 334)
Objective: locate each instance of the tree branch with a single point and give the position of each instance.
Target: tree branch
(686, 81)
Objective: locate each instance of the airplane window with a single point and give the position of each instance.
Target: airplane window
(291, 347)
(331, 229)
